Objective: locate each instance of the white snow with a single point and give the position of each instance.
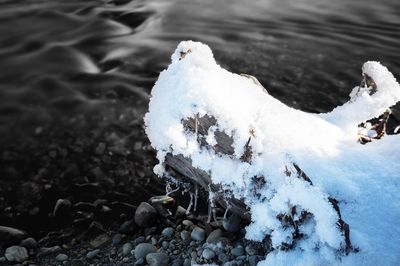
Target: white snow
(364, 178)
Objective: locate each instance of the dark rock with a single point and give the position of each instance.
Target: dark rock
(215, 236)
(128, 227)
(208, 254)
(250, 250)
(143, 249)
(83, 207)
(253, 260)
(95, 229)
(185, 235)
(238, 251)
(92, 254)
(168, 232)
(16, 253)
(145, 215)
(99, 240)
(116, 239)
(126, 249)
(61, 257)
(232, 223)
(198, 234)
(44, 251)
(77, 262)
(29, 243)
(122, 207)
(62, 208)
(157, 259)
(10, 236)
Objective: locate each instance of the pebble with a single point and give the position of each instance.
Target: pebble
(157, 259)
(143, 249)
(62, 208)
(168, 232)
(145, 215)
(61, 257)
(198, 234)
(48, 250)
(185, 235)
(232, 223)
(238, 251)
(29, 243)
(214, 236)
(126, 249)
(92, 254)
(127, 227)
(222, 257)
(117, 238)
(188, 224)
(250, 250)
(208, 254)
(16, 253)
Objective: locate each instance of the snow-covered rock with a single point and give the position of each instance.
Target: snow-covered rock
(364, 178)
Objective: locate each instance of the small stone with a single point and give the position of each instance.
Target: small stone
(126, 249)
(125, 259)
(186, 262)
(100, 148)
(143, 249)
(77, 262)
(145, 215)
(185, 235)
(100, 240)
(16, 253)
(214, 236)
(48, 250)
(250, 250)
(238, 251)
(198, 234)
(222, 257)
(188, 224)
(127, 227)
(61, 257)
(208, 254)
(92, 254)
(62, 208)
(117, 238)
(232, 224)
(253, 260)
(157, 259)
(139, 261)
(168, 232)
(29, 243)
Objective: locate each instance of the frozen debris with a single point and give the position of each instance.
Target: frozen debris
(317, 193)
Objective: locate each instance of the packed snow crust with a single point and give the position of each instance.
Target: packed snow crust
(364, 178)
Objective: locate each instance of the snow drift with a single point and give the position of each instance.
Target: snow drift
(317, 179)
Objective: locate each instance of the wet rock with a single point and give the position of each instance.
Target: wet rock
(10, 236)
(185, 235)
(157, 259)
(61, 257)
(238, 251)
(29, 243)
(83, 207)
(232, 223)
(126, 249)
(145, 215)
(128, 227)
(116, 239)
(62, 208)
(215, 236)
(16, 253)
(99, 240)
(250, 250)
(143, 249)
(44, 251)
(198, 234)
(208, 254)
(92, 254)
(168, 232)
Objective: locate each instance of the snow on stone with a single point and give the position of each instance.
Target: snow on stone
(364, 178)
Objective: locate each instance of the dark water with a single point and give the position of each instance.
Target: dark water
(61, 60)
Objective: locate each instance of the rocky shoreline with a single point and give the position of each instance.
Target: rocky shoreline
(157, 234)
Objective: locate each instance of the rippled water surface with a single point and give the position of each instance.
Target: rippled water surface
(66, 63)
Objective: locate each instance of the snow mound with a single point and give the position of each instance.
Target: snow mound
(365, 179)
